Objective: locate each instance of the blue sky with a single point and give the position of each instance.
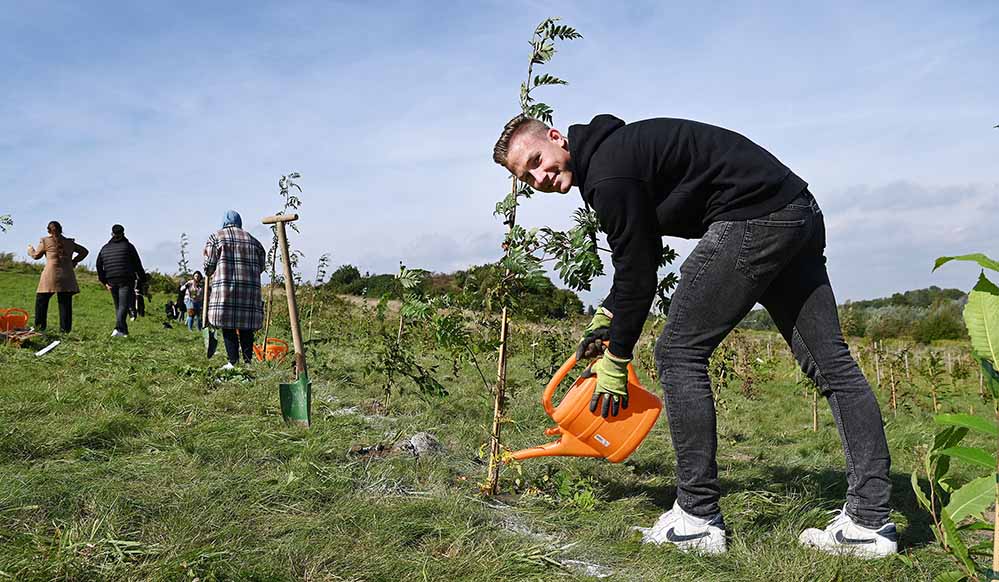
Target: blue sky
(162, 115)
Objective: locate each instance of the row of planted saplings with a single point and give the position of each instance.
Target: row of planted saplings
(905, 373)
(900, 371)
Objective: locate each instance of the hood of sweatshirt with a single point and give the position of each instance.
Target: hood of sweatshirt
(584, 141)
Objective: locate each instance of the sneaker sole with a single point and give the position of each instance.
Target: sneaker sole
(862, 552)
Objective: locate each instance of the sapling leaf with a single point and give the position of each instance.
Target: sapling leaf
(920, 494)
(977, 525)
(953, 540)
(948, 437)
(546, 79)
(979, 258)
(947, 484)
(991, 376)
(981, 316)
(973, 455)
(941, 468)
(975, 423)
(952, 576)
(973, 498)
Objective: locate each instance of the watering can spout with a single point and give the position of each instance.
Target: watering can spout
(567, 446)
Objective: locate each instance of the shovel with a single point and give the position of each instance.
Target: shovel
(211, 342)
(296, 397)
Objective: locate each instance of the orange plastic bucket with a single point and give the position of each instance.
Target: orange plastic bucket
(13, 318)
(277, 349)
(587, 434)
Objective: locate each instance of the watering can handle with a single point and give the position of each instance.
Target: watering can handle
(546, 397)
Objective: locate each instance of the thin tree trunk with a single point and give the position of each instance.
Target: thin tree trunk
(270, 301)
(499, 394)
(492, 482)
(894, 390)
(877, 363)
(815, 410)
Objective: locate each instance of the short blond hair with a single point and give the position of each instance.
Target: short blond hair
(517, 125)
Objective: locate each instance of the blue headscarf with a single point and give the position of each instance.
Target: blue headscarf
(232, 218)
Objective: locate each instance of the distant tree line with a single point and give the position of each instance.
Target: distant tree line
(923, 315)
(471, 288)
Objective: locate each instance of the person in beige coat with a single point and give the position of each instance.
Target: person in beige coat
(61, 257)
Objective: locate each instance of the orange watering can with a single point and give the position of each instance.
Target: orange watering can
(275, 349)
(587, 434)
(13, 318)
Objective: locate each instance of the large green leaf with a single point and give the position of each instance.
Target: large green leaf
(953, 541)
(972, 499)
(981, 316)
(952, 576)
(973, 455)
(975, 423)
(976, 257)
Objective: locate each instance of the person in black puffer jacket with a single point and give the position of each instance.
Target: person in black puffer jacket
(119, 270)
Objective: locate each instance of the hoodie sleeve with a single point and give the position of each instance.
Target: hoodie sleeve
(627, 217)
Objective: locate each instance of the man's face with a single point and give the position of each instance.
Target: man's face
(541, 161)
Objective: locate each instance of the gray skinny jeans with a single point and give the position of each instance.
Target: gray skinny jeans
(777, 261)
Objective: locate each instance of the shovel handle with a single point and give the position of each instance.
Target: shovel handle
(279, 218)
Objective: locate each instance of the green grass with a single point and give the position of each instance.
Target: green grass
(138, 460)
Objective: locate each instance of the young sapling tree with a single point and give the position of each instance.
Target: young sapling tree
(321, 266)
(956, 510)
(183, 265)
(290, 201)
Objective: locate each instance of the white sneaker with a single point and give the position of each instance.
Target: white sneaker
(844, 536)
(117, 333)
(687, 532)
(228, 366)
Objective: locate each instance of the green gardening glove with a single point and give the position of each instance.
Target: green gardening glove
(592, 343)
(612, 384)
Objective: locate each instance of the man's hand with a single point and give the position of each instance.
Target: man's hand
(31, 250)
(592, 343)
(612, 384)
(108, 285)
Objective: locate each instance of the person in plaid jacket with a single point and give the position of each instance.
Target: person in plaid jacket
(234, 261)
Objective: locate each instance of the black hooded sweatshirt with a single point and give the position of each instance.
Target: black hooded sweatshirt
(670, 177)
(118, 263)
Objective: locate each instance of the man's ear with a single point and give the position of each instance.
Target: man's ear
(555, 135)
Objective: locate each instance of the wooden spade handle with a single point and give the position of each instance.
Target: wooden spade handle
(280, 218)
(289, 287)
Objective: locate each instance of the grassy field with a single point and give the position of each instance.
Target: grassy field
(138, 459)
